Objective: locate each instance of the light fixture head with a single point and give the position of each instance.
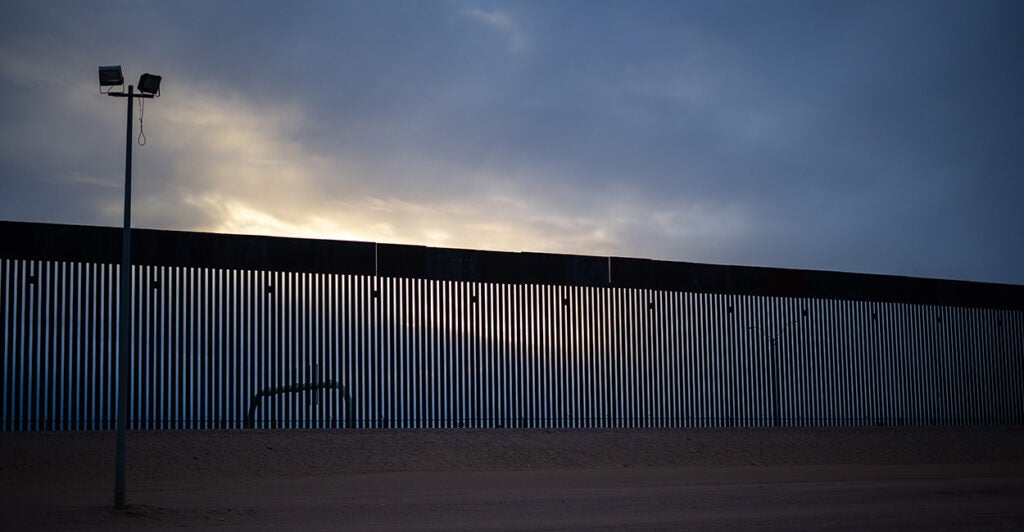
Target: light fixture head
(110, 76)
(149, 83)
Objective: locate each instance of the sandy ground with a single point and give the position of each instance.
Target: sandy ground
(935, 478)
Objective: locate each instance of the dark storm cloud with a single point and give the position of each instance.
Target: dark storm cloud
(841, 135)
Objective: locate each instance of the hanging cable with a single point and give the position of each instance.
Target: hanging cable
(142, 111)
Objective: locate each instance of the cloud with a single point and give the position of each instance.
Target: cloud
(504, 23)
(770, 135)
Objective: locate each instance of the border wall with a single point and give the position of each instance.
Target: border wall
(433, 337)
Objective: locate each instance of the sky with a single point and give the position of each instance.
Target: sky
(862, 136)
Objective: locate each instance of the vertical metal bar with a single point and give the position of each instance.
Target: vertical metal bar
(559, 356)
(479, 335)
(543, 356)
(591, 349)
(21, 371)
(305, 365)
(409, 355)
(203, 350)
(50, 355)
(899, 340)
(278, 356)
(70, 346)
(830, 363)
(85, 345)
(5, 346)
(157, 333)
(222, 337)
(434, 340)
(603, 326)
(137, 363)
(546, 375)
(111, 347)
(962, 327)
(162, 337)
(571, 363)
(290, 362)
(194, 376)
(505, 334)
(522, 356)
(262, 298)
(211, 353)
(446, 353)
(627, 309)
(399, 352)
(319, 344)
(638, 309)
(580, 370)
(54, 284)
(356, 302)
(852, 387)
(479, 355)
(693, 360)
(597, 352)
(613, 310)
(923, 317)
(891, 346)
(881, 364)
(15, 318)
(459, 302)
(326, 343)
(646, 312)
(186, 335)
(470, 356)
(71, 343)
(178, 355)
(429, 334)
(386, 351)
(419, 369)
(496, 343)
(670, 338)
(231, 377)
(377, 352)
(887, 368)
(35, 351)
(144, 296)
(439, 353)
(534, 357)
(341, 359)
(350, 353)
(253, 289)
(489, 369)
(916, 377)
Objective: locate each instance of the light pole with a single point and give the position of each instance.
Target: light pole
(149, 87)
(773, 340)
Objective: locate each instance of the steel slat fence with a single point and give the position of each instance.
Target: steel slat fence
(452, 338)
(430, 353)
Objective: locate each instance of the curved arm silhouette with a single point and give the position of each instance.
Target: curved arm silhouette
(302, 387)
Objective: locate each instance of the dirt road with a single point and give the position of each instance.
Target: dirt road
(849, 479)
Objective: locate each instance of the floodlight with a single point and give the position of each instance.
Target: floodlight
(149, 83)
(110, 76)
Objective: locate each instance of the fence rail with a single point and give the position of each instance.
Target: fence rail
(425, 337)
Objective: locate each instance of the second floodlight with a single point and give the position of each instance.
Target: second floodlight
(110, 76)
(149, 83)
